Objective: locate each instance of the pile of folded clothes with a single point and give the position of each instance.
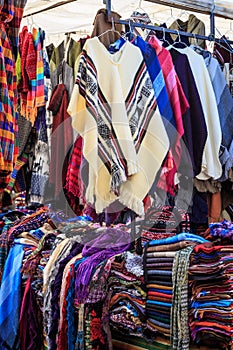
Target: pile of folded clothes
(166, 263)
(211, 290)
(128, 296)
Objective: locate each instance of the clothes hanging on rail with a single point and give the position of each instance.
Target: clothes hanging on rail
(64, 64)
(225, 110)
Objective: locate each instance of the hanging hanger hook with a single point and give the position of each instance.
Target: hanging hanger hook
(164, 35)
(178, 34)
(130, 27)
(195, 39)
(113, 27)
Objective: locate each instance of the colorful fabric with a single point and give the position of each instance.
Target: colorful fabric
(10, 301)
(32, 63)
(4, 248)
(30, 222)
(111, 242)
(17, 7)
(21, 161)
(74, 184)
(161, 94)
(38, 36)
(210, 315)
(32, 339)
(11, 13)
(179, 105)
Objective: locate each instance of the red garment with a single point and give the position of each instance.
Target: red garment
(157, 294)
(74, 184)
(31, 339)
(179, 105)
(208, 248)
(61, 139)
(28, 58)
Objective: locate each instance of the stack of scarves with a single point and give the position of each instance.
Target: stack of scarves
(211, 312)
(166, 263)
(127, 295)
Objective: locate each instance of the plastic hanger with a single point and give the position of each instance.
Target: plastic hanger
(225, 40)
(171, 17)
(164, 37)
(178, 42)
(154, 19)
(185, 14)
(139, 8)
(130, 33)
(229, 31)
(112, 30)
(30, 23)
(195, 46)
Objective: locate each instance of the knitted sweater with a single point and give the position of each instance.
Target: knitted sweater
(114, 109)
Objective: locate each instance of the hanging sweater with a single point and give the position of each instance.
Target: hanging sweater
(114, 109)
(211, 166)
(193, 120)
(192, 25)
(225, 110)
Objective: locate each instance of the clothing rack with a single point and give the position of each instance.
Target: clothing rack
(133, 24)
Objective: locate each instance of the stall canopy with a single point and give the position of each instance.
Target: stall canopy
(223, 8)
(78, 15)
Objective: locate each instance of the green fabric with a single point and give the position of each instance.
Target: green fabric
(72, 57)
(18, 69)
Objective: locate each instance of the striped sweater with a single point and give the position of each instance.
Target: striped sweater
(114, 109)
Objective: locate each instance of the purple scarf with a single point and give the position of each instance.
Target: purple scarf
(111, 242)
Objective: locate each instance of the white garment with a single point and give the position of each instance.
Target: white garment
(120, 92)
(211, 166)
